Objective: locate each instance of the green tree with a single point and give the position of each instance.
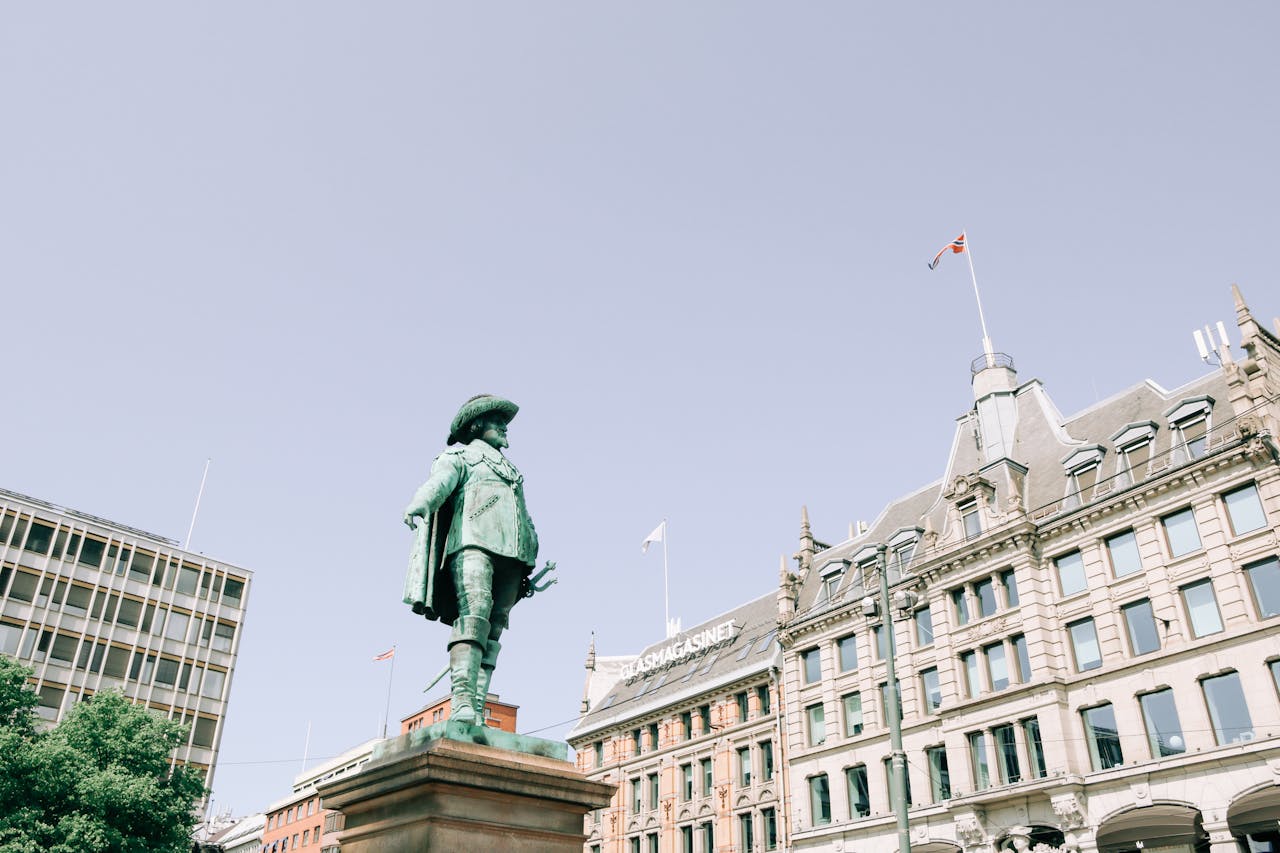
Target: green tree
(98, 781)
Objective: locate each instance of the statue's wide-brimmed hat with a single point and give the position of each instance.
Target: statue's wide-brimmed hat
(481, 404)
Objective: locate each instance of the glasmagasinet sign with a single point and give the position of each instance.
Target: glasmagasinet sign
(681, 649)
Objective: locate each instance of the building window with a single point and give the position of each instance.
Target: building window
(902, 557)
(939, 774)
(686, 782)
(978, 760)
(686, 840)
(653, 790)
(766, 760)
(881, 641)
(847, 647)
(1275, 673)
(1103, 737)
(1227, 708)
(769, 817)
(970, 519)
(811, 661)
(744, 766)
(653, 736)
(1122, 549)
(1141, 623)
(817, 724)
(636, 790)
(741, 699)
(708, 837)
(1084, 644)
(762, 698)
(1134, 460)
(686, 725)
(635, 742)
(1022, 657)
(1191, 436)
(884, 700)
(997, 665)
(704, 714)
(923, 619)
(1035, 747)
(930, 689)
(1264, 579)
(706, 776)
(1244, 509)
(1164, 731)
(985, 591)
(972, 681)
(887, 763)
(1181, 533)
(852, 714)
(1081, 480)
(1007, 754)
(1071, 577)
(855, 779)
(820, 799)
(635, 845)
(1010, 583)
(960, 605)
(1202, 608)
(746, 832)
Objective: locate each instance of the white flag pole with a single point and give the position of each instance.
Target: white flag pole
(386, 716)
(666, 593)
(986, 339)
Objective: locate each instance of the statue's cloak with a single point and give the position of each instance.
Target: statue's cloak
(428, 585)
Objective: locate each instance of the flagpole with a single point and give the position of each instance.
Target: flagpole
(986, 340)
(390, 675)
(666, 592)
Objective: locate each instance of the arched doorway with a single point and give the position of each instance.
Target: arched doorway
(1254, 820)
(1035, 834)
(1170, 826)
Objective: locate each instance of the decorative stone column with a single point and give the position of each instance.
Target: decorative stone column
(458, 787)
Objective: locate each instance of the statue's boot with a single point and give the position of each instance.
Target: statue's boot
(466, 647)
(487, 662)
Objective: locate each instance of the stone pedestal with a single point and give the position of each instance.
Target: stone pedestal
(450, 788)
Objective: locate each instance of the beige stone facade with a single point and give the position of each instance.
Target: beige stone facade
(1086, 616)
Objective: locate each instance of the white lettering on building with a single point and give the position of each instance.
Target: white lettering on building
(680, 649)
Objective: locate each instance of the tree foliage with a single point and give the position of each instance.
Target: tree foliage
(98, 781)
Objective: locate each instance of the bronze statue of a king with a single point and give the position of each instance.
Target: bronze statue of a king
(474, 548)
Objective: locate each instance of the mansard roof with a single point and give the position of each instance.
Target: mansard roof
(749, 651)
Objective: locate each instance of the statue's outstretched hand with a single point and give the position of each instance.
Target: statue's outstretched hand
(412, 513)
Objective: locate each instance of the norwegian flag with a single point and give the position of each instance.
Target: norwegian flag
(956, 246)
(387, 655)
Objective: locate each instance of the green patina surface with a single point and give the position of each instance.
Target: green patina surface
(474, 549)
(467, 733)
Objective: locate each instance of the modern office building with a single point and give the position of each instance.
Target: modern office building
(95, 605)
(1085, 621)
(689, 732)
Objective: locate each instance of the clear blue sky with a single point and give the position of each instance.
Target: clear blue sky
(688, 238)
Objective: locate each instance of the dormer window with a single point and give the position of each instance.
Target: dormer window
(1189, 421)
(1133, 452)
(1082, 467)
(970, 518)
(902, 547)
(832, 575)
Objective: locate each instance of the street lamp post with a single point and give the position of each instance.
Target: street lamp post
(893, 709)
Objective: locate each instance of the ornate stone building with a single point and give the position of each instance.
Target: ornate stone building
(1085, 618)
(689, 732)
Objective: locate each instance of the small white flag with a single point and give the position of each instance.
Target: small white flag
(659, 534)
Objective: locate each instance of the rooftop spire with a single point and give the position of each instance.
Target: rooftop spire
(591, 668)
(804, 557)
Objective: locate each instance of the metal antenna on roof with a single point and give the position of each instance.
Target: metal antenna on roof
(1214, 351)
(186, 546)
